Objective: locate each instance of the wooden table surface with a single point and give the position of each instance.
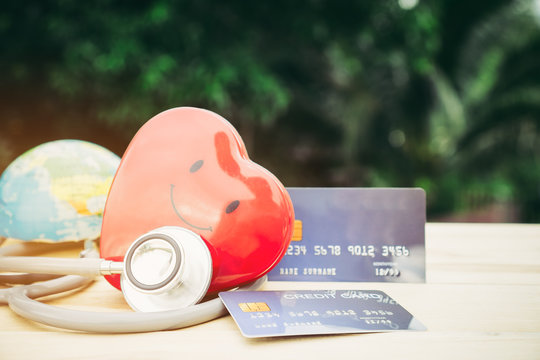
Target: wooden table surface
(481, 301)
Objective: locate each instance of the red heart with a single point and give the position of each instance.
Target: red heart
(188, 167)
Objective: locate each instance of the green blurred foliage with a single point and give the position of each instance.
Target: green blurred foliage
(439, 94)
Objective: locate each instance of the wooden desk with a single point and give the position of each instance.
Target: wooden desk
(481, 301)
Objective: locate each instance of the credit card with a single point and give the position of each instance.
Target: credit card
(356, 234)
(301, 312)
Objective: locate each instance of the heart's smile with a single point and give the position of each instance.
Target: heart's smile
(208, 228)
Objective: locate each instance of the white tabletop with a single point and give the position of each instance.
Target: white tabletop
(481, 301)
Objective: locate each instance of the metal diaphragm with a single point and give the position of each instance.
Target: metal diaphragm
(167, 268)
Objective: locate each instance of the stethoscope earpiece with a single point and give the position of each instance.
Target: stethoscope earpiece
(167, 268)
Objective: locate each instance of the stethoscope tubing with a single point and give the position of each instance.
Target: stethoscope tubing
(111, 322)
(49, 287)
(89, 267)
(106, 322)
(36, 285)
(24, 279)
(11, 260)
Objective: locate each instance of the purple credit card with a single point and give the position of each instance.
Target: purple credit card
(356, 234)
(311, 312)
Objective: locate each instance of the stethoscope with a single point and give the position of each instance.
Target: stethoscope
(164, 276)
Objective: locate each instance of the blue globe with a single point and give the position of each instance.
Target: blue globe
(56, 191)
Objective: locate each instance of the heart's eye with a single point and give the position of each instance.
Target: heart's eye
(232, 206)
(196, 166)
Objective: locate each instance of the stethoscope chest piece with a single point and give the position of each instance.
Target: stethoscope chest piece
(165, 269)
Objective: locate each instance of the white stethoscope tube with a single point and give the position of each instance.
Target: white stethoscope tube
(59, 266)
(48, 287)
(17, 249)
(107, 322)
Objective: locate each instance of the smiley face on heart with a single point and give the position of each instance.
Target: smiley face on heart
(188, 167)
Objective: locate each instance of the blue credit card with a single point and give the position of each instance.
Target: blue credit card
(356, 234)
(312, 312)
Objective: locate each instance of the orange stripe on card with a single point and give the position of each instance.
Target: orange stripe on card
(297, 231)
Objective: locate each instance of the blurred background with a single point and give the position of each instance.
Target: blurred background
(438, 94)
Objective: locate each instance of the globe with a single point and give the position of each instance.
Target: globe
(56, 192)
